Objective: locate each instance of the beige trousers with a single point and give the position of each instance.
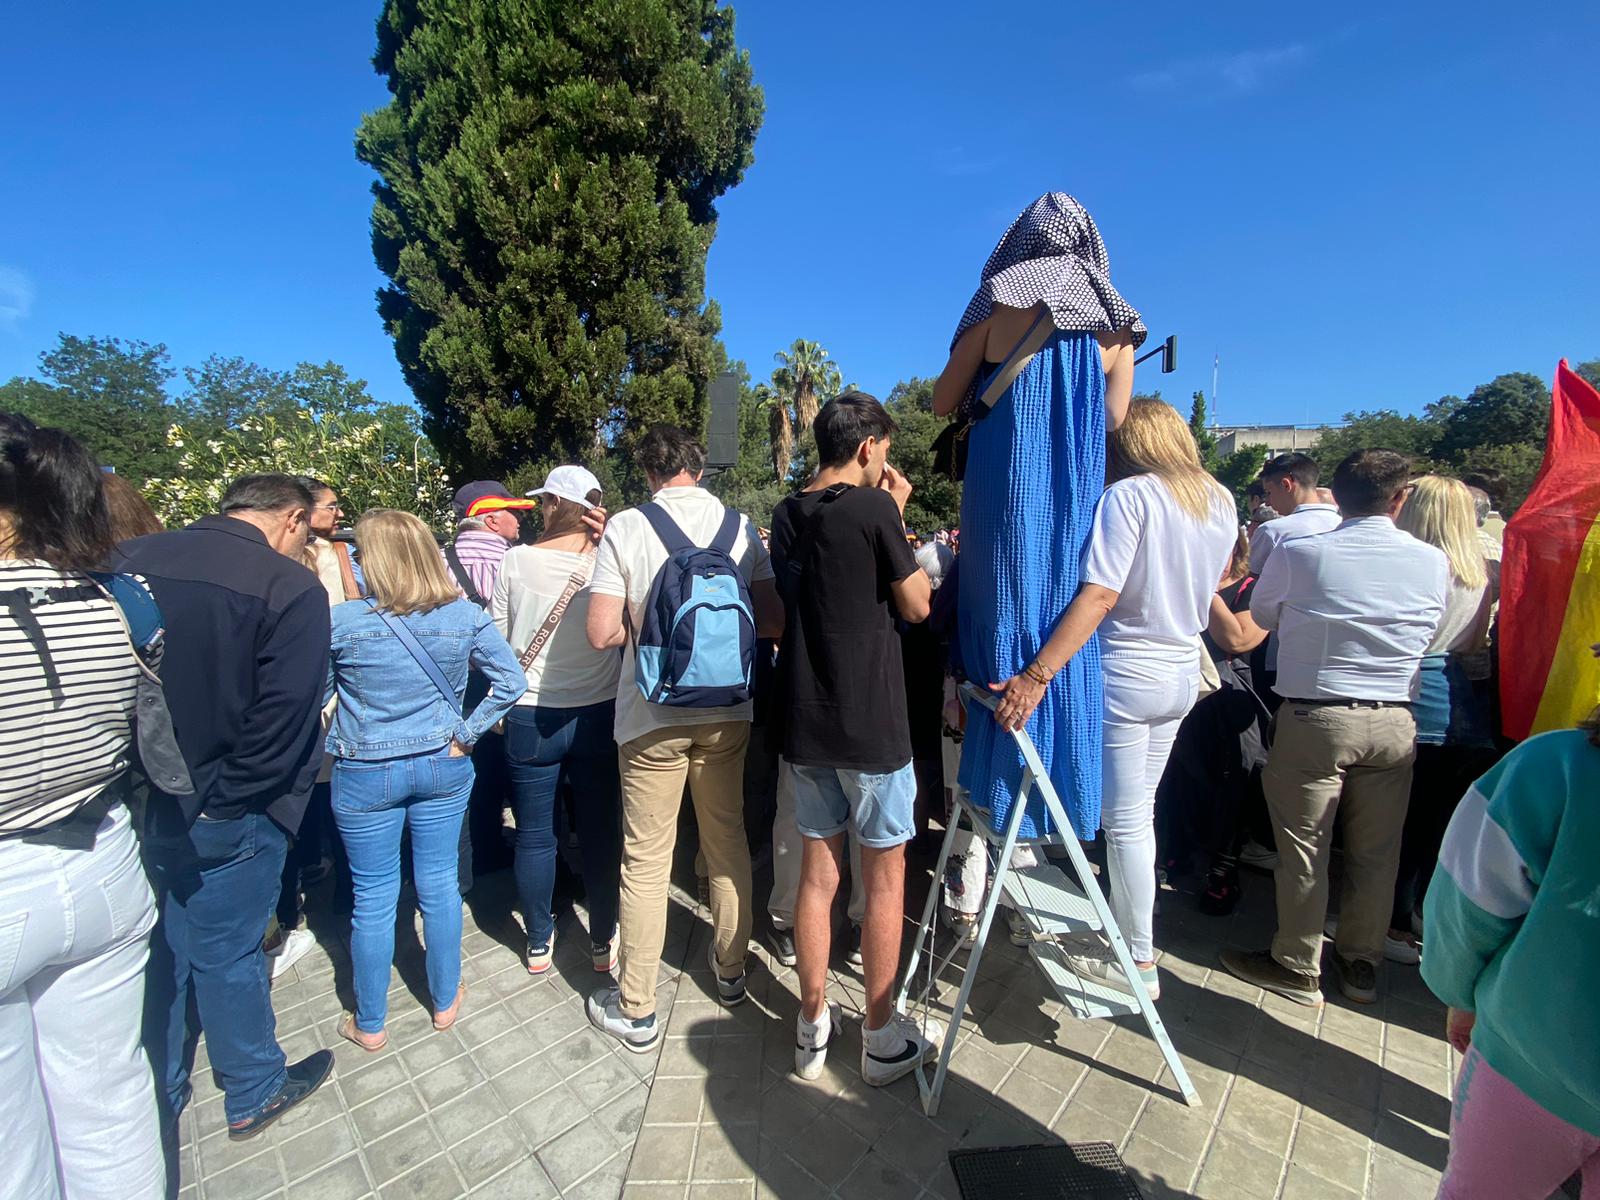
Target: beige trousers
(654, 767)
(1347, 764)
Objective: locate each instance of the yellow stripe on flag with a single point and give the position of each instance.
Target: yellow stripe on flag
(1573, 690)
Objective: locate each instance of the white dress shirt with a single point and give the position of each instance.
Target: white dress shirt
(1308, 518)
(1354, 610)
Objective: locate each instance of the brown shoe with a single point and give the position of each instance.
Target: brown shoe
(370, 1042)
(1260, 968)
(443, 1020)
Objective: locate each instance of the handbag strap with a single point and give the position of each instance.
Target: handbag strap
(463, 578)
(545, 632)
(1030, 344)
(424, 659)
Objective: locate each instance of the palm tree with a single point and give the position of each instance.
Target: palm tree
(780, 430)
(808, 376)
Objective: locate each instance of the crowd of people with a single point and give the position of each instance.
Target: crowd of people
(201, 722)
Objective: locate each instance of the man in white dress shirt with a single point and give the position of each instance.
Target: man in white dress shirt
(1354, 609)
(1290, 481)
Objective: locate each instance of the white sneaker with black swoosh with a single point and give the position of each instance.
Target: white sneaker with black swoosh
(897, 1048)
(811, 1039)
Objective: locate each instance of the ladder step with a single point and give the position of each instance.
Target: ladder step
(1050, 902)
(1088, 999)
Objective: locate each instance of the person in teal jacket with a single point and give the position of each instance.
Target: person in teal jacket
(1512, 945)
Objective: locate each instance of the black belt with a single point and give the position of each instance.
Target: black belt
(1341, 703)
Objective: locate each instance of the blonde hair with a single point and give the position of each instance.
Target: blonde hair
(402, 564)
(1440, 511)
(1154, 440)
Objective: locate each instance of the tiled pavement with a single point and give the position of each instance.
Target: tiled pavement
(524, 1100)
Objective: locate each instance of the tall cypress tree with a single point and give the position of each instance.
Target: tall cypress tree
(547, 177)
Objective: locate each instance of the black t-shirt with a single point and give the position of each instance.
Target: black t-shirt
(841, 688)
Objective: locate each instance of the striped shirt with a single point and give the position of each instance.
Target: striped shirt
(481, 553)
(65, 728)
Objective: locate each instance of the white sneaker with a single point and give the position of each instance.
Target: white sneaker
(729, 991)
(294, 946)
(898, 1048)
(811, 1040)
(605, 1014)
(1017, 925)
(1098, 964)
(1262, 858)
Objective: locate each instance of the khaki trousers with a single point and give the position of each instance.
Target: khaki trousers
(1353, 765)
(654, 767)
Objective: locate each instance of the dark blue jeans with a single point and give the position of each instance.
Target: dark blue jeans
(217, 884)
(545, 746)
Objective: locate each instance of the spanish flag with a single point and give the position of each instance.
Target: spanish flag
(1550, 575)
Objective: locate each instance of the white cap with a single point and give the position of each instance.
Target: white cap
(569, 483)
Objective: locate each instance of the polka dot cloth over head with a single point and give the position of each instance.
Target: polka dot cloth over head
(1053, 253)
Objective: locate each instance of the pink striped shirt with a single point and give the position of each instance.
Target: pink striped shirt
(481, 553)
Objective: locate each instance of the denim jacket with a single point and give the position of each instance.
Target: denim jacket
(388, 707)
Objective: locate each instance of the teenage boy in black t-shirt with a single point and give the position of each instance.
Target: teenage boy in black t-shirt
(845, 571)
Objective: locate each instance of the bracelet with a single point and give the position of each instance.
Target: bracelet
(1037, 673)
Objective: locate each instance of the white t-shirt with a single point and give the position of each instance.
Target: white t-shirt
(1304, 520)
(1164, 565)
(630, 556)
(1464, 627)
(569, 673)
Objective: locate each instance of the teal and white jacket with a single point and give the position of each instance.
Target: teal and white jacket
(1512, 917)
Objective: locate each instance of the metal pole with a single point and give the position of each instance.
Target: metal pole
(1216, 409)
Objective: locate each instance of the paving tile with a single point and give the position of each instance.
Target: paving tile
(1301, 1184)
(624, 1115)
(829, 1150)
(250, 1180)
(345, 1180)
(1340, 1160)
(550, 1115)
(377, 1075)
(218, 1153)
(781, 1178)
(1395, 1179)
(1112, 1095)
(322, 1105)
(378, 1118)
(574, 1154)
(874, 1179)
(525, 1181)
(396, 1153)
(453, 1078)
(431, 1051)
(572, 1054)
(605, 1183)
(1261, 1110)
(306, 1152)
(725, 1152)
(431, 1180)
(685, 1058)
(1159, 1171)
(664, 1153)
(1080, 1123)
(1031, 1098)
(602, 1081)
(1244, 1166)
(458, 1119)
(1175, 1127)
(675, 1101)
(489, 1151)
(652, 1191)
(1423, 1146)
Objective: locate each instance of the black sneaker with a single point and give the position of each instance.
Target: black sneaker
(303, 1078)
(1358, 979)
(1260, 968)
(783, 946)
(854, 956)
(1221, 896)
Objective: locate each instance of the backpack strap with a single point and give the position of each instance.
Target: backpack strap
(468, 588)
(424, 659)
(666, 528)
(728, 535)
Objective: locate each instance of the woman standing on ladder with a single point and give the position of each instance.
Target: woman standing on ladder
(1035, 469)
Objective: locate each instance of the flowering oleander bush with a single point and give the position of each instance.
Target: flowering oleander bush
(351, 451)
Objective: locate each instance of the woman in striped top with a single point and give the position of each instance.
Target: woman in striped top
(77, 1100)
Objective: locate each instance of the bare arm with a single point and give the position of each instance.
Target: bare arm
(913, 597)
(1235, 632)
(956, 378)
(1116, 356)
(605, 622)
(1021, 694)
(769, 609)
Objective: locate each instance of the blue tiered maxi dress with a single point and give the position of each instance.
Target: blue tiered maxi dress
(1035, 470)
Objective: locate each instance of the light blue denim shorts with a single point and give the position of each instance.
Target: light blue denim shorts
(879, 807)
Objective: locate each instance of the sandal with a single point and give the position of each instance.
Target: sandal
(443, 1020)
(349, 1032)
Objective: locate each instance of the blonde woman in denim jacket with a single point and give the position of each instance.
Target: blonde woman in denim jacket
(402, 754)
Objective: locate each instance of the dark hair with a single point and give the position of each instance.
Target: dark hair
(314, 486)
(265, 493)
(666, 450)
(50, 485)
(131, 515)
(846, 421)
(1365, 483)
(1302, 468)
(1258, 489)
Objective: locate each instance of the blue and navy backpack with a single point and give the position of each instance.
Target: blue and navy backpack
(697, 642)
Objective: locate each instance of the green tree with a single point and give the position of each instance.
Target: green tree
(1238, 471)
(545, 200)
(935, 498)
(108, 393)
(1416, 437)
(223, 390)
(1205, 441)
(808, 377)
(1590, 371)
(1509, 410)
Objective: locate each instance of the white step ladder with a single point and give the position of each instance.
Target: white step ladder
(1055, 906)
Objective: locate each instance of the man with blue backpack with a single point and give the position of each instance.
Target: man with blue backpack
(684, 587)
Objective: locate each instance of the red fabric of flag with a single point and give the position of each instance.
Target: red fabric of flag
(1549, 592)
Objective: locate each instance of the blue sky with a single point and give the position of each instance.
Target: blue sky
(1354, 212)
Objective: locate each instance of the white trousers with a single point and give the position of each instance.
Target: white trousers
(788, 845)
(77, 1102)
(1146, 699)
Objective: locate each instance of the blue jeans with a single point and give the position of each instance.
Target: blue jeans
(218, 882)
(543, 747)
(373, 802)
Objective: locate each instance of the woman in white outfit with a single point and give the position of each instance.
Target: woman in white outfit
(1162, 536)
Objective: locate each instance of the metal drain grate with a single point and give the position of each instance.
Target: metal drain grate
(1074, 1171)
